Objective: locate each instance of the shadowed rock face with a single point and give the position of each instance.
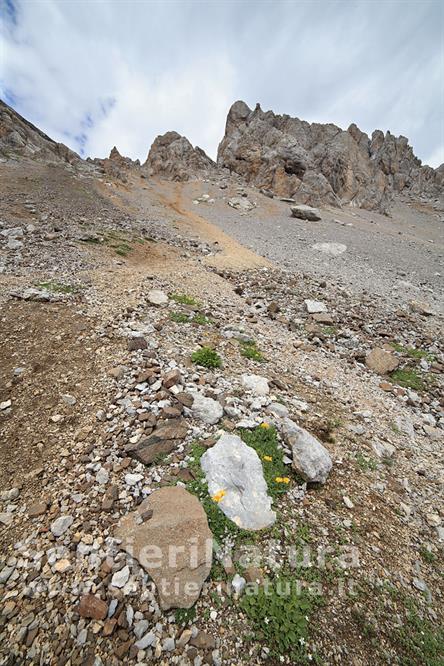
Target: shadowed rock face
(322, 164)
(172, 156)
(20, 138)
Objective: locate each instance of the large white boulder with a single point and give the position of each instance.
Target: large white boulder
(235, 478)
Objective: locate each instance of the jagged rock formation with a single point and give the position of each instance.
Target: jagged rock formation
(322, 164)
(116, 165)
(20, 138)
(173, 157)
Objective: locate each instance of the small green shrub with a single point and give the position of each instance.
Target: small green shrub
(365, 464)
(207, 357)
(408, 379)
(201, 320)
(279, 617)
(249, 350)
(183, 299)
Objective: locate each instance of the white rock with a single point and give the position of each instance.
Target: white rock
(5, 405)
(310, 458)
(347, 501)
(132, 479)
(277, 410)
(256, 384)
(206, 409)
(157, 297)
(332, 249)
(235, 468)
(383, 449)
(238, 583)
(146, 641)
(61, 524)
(102, 476)
(6, 518)
(120, 578)
(314, 306)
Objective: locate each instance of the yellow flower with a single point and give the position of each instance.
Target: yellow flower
(278, 479)
(282, 479)
(265, 425)
(219, 495)
(268, 458)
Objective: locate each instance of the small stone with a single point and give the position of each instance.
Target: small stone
(256, 384)
(137, 343)
(206, 409)
(62, 565)
(171, 378)
(146, 641)
(92, 607)
(5, 405)
(348, 503)
(61, 524)
(133, 479)
(315, 306)
(102, 476)
(121, 577)
(157, 297)
(381, 361)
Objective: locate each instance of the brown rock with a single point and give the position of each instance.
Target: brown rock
(163, 440)
(323, 318)
(381, 361)
(109, 626)
(203, 641)
(185, 398)
(174, 546)
(171, 378)
(37, 509)
(137, 343)
(92, 607)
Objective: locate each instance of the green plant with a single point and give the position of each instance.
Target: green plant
(183, 299)
(207, 357)
(249, 350)
(265, 442)
(427, 555)
(365, 464)
(185, 616)
(408, 379)
(179, 317)
(279, 617)
(420, 641)
(329, 330)
(58, 287)
(411, 352)
(200, 319)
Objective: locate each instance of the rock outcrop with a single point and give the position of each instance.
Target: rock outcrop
(21, 139)
(116, 165)
(173, 157)
(323, 164)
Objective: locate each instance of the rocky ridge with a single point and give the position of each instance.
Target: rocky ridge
(322, 164)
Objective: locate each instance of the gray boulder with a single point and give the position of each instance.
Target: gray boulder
(235, 478)
(310, 458)
(206, 409)
(304, 212)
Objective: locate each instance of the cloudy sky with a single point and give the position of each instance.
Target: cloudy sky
(94, 73)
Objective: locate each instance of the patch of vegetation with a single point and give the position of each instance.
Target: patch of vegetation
(365, 464)
(58, 287)
(201, 320)
(408, 378)
(411, 352)
(420, 642)
(329, 330)
(427, 555)
(249, 350)
(278, 616)
(265, 442)
(207, 357)
(179, 317)
(185, 616)
(183, 299)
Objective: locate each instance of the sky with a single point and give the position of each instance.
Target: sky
(98, 73)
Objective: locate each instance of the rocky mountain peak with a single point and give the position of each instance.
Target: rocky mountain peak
(172, 156)
(321, 163)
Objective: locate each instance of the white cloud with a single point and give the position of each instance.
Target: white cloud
(179, 65)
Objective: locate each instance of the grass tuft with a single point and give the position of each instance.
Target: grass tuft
(207, 357)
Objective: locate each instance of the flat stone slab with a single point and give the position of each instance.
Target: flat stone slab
(170, 538)
(304, 212)
(163, 440)
(310, 458)
(381, 361)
